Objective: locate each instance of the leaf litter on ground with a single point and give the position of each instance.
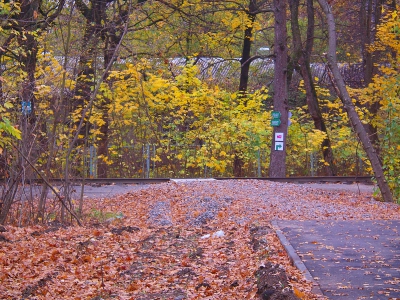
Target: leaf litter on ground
(193, 240)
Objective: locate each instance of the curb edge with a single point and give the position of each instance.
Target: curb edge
(295, 259)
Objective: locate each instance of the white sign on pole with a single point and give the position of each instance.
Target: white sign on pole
(278, 137)
(278, 146)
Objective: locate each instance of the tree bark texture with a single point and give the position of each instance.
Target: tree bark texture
(349, 107)
(277, 167)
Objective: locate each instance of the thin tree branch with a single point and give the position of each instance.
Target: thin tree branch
(49, 185)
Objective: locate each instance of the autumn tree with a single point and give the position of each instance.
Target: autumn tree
(25, 22)
(370, 18)
(300, 60)
(105, 23)
(384, 90)
(213, 30)
(349, 106)
(255, 8)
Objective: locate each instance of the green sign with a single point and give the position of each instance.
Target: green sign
(276, 114)
(275, 122)
(278, 146)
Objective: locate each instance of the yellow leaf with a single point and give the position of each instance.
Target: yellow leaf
(8, 105)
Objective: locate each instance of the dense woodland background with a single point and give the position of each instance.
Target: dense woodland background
(112, 88)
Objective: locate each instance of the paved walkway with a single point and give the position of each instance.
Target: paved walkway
(354, 187)
(348, 259)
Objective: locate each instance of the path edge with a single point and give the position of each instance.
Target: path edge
(295, 259)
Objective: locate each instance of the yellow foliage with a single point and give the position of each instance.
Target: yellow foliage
(384, 91)
(189, 112)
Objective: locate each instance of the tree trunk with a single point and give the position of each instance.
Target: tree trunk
(369, 19)
(237, 166)
(349, 107)
(112, 36)
(247, 41)
(28, 59)
(85, 81)
(301, 57)
(244, 76)
(277, 167)
(99, 29)
(28, 117)
(95, 31)
(27, 25)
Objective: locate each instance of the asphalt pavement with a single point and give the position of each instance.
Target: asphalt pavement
(346, 259)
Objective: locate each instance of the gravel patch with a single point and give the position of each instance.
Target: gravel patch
(243, 200)
(160, 214)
